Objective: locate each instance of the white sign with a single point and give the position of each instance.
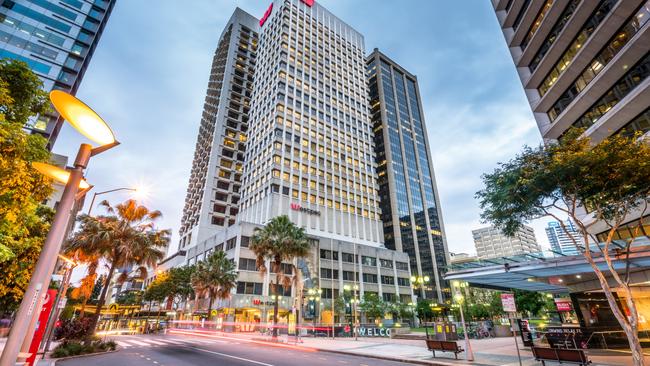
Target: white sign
(508, 303)
(62, 302)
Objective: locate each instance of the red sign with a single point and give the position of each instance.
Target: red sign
(309, 3)
(508, 303)
(266, 15)
(297, 207)
(563, 304)
(48, 303)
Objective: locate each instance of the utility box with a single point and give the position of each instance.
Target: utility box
(441, 331)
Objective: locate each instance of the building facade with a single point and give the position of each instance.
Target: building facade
(310, 149)
(215, 185)
(490, 242)
(411, 215)
(57, 39)
(286, 130)
(582, 64)
(561, 241)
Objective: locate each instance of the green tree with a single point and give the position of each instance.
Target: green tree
(126, 238)
(129, 298)
(279, 241)
(24, 222)
(496, 307)
(424, 310)
(530, 302)
(215, 277)
(610, 178)
(373, 306)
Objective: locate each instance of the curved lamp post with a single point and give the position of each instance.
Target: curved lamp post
(459, 287)
(92, 202)
(91, 125)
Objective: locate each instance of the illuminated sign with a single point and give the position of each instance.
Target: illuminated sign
(563, 304)
(266, 15)
(308, 2)
(373, 332)
(297, 207)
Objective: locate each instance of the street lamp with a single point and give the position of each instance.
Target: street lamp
(469, 355)
(70, 265)
(88, 123)
(92, 202)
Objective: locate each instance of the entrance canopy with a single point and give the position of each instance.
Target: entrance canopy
(547, 271)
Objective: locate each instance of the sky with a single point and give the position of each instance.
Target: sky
(150, 71)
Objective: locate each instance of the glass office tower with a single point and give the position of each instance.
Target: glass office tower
(56, 38)
(409, 200)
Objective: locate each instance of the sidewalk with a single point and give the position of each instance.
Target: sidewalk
(39, 362)
(487, 352)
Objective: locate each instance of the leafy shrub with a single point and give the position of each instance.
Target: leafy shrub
(75, 348)
(73, 329)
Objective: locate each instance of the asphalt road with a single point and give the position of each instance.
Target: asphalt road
(179, 350)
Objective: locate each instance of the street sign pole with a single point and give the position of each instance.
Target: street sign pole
(509, 306)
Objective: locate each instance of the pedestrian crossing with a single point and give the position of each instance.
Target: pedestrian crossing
(146, 342)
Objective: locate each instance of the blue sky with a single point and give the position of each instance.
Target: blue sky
(150, 71)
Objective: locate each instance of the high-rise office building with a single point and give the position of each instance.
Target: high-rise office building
(412, 220)
(490, 242)
(214, 189)
(310, 148)
(286, 130)
(56, 38)
(561, 241)
(583, 63)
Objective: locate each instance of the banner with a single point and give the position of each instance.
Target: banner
(41, 324)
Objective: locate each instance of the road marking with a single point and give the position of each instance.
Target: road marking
(231, 356)
(139, 343)
(322, 358)
(340, 361)
(155, 342)
(123, 344)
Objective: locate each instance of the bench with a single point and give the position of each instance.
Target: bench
(444, 346)
(576, 356)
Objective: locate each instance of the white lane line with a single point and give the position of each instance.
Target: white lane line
(231, 356)
(139, 343)
(155, 342)
(123, 344)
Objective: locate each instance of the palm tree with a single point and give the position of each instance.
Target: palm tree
(279, 241)
(125, 238)
(215, 276)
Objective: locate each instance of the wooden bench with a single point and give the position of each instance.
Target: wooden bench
(444, 346)
(560, 355)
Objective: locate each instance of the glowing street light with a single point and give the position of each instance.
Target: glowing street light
(91, 125)
(58, 174)
(457, 286)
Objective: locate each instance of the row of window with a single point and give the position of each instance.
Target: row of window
(615, 44)
(578, 42)
(538, 21)
(562, 21)
(622, 88)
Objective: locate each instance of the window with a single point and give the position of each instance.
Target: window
(387, 280)
(389, 297)
(245, 241)
(402, 266)
(217, 221)
(247, 264)
(350, 276)
(369, 278)
(386, 263)
(368, 261)
(326, 294)
(231, 243)
(249, 288)
(348, 257)
(329, 273)
(403, 281)
(328, 254)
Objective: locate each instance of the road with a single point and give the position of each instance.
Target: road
(181, 350)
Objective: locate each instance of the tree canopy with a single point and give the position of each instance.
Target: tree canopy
(24, 222)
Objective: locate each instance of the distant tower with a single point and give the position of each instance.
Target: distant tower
(409, 197)
(215, 186)
(490, 242)
(560, 241)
